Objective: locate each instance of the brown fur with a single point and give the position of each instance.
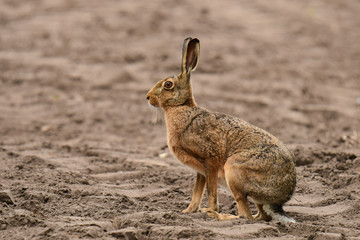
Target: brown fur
(248, 160)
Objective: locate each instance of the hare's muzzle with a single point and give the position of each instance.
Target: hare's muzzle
(151, 100)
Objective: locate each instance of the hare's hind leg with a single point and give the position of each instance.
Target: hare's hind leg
(234, 182)
(261, 215)
(197, 195)
(233, 176)
(242, 204)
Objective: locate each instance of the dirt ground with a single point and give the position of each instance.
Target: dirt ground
(82, 155)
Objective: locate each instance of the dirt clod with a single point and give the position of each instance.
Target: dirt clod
(6, 197)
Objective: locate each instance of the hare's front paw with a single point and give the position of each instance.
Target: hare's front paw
(215, 215)
(190, 210)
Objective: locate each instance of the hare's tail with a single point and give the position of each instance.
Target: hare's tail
(277, 212)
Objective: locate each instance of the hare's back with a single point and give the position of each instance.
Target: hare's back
(217, 135)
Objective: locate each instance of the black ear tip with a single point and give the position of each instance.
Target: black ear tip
(194, 40)
(190, 39)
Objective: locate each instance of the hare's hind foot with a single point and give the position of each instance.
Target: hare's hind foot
(220, 217)
(261, 215)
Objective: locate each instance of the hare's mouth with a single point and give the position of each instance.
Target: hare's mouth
(152, 102)
(152, 105)
(158, 116)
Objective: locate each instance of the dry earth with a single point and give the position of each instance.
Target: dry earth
(82, 157)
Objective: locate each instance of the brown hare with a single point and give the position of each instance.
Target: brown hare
(221, 148)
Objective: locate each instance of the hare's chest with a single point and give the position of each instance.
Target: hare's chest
(185, 157)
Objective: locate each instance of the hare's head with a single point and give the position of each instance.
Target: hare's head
(176, 90)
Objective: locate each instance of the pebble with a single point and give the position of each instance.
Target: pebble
(163, 155)
(6, 197)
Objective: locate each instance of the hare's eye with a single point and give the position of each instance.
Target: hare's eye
(168, 84)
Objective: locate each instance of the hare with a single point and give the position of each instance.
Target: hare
(249, 161)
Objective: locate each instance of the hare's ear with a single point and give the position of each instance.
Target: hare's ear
(190, 55)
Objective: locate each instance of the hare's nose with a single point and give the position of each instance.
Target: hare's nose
(147, 96)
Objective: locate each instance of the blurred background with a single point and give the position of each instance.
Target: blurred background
(73, 80)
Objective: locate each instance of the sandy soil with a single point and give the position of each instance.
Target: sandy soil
(81, 152)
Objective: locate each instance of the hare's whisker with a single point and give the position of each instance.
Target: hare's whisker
(158, 116)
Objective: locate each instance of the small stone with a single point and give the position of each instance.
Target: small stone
(6, 197)
(46, 128)
(163, 155)
(2, 226)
